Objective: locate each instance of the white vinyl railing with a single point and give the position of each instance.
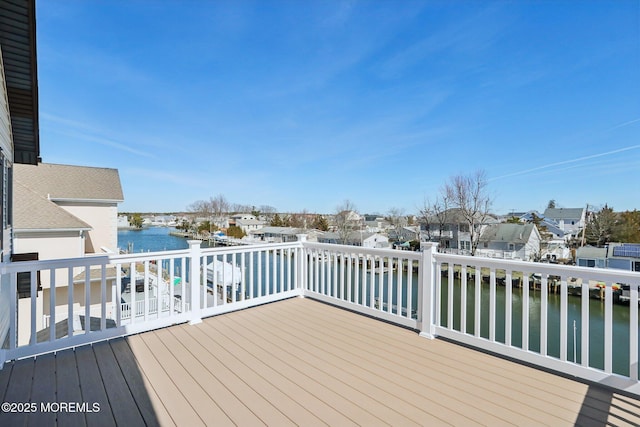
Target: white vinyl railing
(579, 321)
(77, 301)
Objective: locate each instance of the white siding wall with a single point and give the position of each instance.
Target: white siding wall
(103, 218)
(50, 245)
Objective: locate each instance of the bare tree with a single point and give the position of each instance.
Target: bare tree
(267, 211)
(344, 220)
(199, 208)
(470, 195)
(396, 218)
(435, 216)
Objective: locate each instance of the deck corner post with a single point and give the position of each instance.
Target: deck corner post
(301, 263)
(426, 290)
(195, 254)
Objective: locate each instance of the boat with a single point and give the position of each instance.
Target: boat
(224, 274)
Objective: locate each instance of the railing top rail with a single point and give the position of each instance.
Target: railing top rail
(17, 267)
(537, 267)
(249, 248)
(365, 251)
(142, 256)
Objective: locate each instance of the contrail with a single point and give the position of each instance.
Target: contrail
(630, 122)
(579, 159)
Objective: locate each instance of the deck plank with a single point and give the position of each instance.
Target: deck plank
(68, 387)
(231, 405)
(151, 408)
(118, 393)
(467, 388)
(174, 402)
(92, 388)
(203, 404)
(262, 406)
(319, 383)
(379, 400)
(369, 364)
(276, 373)
(18, 392)
(44, 390)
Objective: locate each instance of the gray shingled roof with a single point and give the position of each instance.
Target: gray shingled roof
(512, 233)
(31, 211)
(66, 182)
(563, 213)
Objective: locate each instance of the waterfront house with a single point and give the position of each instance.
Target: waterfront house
(545, 226)
(451, 230)
(272, 234)
(356, 238)
(510, 241)
(249, 225)
(624, 256)
(621, 256)
(404, 234)
(591, 256)
(569, 220)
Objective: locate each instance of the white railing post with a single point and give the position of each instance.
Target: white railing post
(426, 290)
(301, 281)
(195, 254)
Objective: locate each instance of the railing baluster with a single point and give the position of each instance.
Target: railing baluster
(103, 298)
(172, 279)
(525, 310)
(52, 304)
(410, 289)
(342, 273)
(146, 290)
(544, 302)
(492, 304)
(324, 289)
(463, 299)
(251, 271)
(70, 289)
(118, 297)
(335, 268)
(274, 283)
(508, 307)
(183, 297)
(234, 278)
(34, 298)
(584, 348)
(450, 280)
(438, 301)
(564, 319)
(633, 332)
(477, 313)
(399, 270)
(260, 255)
(608, 327)
(87, 299)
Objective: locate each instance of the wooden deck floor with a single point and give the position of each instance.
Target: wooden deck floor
(298, 362)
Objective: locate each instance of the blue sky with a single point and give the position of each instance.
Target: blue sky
(303, 104)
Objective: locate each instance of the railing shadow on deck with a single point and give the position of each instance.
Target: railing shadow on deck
(97, 384)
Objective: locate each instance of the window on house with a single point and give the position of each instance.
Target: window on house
(24, 278)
